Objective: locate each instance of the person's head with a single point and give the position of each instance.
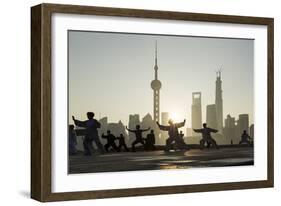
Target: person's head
(244, 132)
(108, 131)
(71, 127)
(170, 122)
(204, 125)
(121, 135)
(90, 115)
(180, 132)
(137, 126)
(152, 131)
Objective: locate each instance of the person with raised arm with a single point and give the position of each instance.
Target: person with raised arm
(173, 132)
(138, 133)
(91, 125)
(206, 136)
(110, 141)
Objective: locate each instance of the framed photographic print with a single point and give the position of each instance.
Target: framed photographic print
(130, 102)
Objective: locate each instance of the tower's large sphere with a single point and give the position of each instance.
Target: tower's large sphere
(156, 84)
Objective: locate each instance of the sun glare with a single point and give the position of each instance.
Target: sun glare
(175, 116)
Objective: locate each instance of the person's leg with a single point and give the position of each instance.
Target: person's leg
(125, 146)
(143, 143)
(133, 145)
(214, 143)
(182, 145)
(202, 143)
(115, 147)
(87, 149)
(99, 144)
(106, 146)
(120, 147)
(71, 149)
(169, 143)
(209, 144)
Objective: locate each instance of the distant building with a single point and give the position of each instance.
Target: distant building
(134, 119)
(104, 124)
(243, 123)
(229, 129)
(252, 131)
(188, 132)
(196, 112)
(117, 129)
(164, 121)
(211, 116)
(219, 102)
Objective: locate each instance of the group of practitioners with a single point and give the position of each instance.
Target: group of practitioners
(174, 141)
(91, 126)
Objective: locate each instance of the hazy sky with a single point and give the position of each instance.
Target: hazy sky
(110, 74)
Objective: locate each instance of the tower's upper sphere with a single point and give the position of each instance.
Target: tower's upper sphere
(156, 84)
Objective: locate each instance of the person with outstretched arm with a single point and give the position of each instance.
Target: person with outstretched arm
(206, 136)
(138, 133)
(91, 125)
(110, 141)
(173, 132)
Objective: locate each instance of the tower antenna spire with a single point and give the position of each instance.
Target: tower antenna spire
(156, 86)
(156, 52)
(218, 72)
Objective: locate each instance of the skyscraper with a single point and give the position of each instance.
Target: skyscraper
(243, 123)
(196, 112)
(164, 118)
(211, 116)
(252, 131)
(229, 129)
(156, 86)
(219, 102)
(164, 121)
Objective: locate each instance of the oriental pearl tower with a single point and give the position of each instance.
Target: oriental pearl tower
(156, 86)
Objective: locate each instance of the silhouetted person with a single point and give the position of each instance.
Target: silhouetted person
(179, 142)
(72, 140)
(122, 143)
(173, 132)
(245, 138)
(110, 141)
(91, 125)
(206, 136)
(150, 141)
(138, 133)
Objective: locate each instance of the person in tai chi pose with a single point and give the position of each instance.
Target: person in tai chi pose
(206, 136)
(245, 138)
(122, 143)
(91, 125)
(138, 132)
(173, 132)
(110, 141)
(150, 141)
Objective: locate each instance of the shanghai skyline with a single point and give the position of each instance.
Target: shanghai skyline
(116, 70)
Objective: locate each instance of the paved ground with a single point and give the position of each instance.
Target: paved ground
(128, 161)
